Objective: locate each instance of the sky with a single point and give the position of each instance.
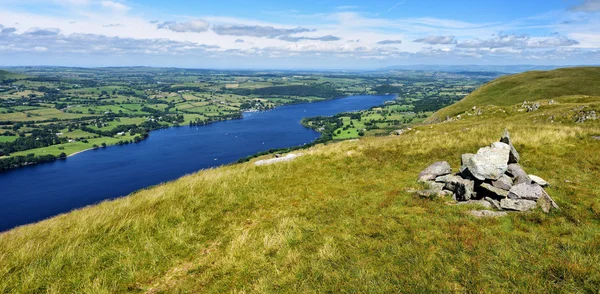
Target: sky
(309, 34)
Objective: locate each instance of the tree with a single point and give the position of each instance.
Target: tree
(62, 155)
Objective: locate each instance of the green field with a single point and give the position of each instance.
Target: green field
(8, 138)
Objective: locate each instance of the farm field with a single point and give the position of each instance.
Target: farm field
(49, 111)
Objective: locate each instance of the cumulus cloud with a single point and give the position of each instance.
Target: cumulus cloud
(558, 41)
(328, 38)
(43, 32)
(518, 41)
(8, 30)
(77, 43)
(437, 40)
(257, 31)
(588, 6)
(239, 41)
(389, 42)
(194, 26)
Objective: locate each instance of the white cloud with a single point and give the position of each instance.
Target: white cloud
(437, 40)
(588, 6)
(389, 42)
(195, 26)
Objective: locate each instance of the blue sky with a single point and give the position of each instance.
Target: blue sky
(313, 34)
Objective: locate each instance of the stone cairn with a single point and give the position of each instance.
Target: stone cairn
(492, 178)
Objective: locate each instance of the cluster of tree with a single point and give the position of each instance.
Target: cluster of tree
(39, 138)
(18, 161)
(388, 89)
(433, 104)
(325, 90)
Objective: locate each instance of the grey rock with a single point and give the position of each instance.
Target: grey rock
(490, 162)
(513, 155)
(463, 189)
(496, 192)
(539, 181)
(504, 182)
(517, 204)
(526, 191)
(443, 179)
(434, 185)
(546, 203)
(435, 170)
(487, 213)
(596, 138)
(495, 203)
(518, 174)
(464, 159)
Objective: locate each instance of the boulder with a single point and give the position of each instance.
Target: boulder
(495, 203)
(434, 185)
(546, 203)
(513, 155)
(526, 191)
(435, 170)
(539, 181)
(504, 182)
(487, 213)
(493, 191)
(464, 159)
(463, 189)
(518, 174)
(517, 204)
(444, 179)
(490, 162)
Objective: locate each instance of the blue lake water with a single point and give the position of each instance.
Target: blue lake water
(37, 192)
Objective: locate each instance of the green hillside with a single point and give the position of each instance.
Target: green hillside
(9, 75)
(528, 86)
(340, 218)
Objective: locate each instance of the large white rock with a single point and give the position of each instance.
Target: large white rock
(490, 162)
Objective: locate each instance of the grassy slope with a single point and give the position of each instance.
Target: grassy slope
(9, 75)
(337, 219)
(529, 86)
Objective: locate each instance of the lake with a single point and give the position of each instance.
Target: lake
(33, 193)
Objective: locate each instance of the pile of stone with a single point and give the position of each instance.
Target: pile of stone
(492, 178)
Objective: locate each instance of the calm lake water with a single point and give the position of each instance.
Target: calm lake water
(37, 192)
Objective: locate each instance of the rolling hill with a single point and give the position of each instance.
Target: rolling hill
(9, 75)
(528, 86)
(340, 218)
